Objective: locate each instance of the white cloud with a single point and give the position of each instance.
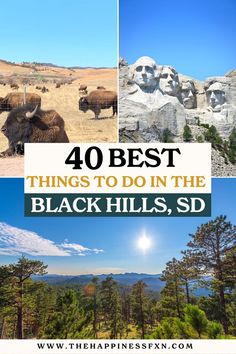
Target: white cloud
(95, 250)
(15, 241)
(79, 249)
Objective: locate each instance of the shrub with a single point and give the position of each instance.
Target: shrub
(187, 134)
(213, 137)
(196, 318)
(165, 330)
(204, 125)
(166, 136)
(214, 330)
(183, 329)
(200, 139)
(232, 146)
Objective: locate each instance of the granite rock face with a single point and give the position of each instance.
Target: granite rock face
(154, 98)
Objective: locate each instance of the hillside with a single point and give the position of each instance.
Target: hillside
(8, 68)
(127, 279)
(152, 281)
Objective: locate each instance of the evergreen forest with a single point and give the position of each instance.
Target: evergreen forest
(104, 309)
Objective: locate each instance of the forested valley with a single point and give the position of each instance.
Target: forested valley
(107, 309)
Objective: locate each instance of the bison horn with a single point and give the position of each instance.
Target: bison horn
(30, 115)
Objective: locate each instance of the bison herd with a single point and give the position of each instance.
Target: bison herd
(28, 123)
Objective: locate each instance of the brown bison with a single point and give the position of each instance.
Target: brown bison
(82, 87)
(16, 99)
(14, 86)
(44, 89)
(83, 90)
(101, 88)
(97, 100)
(30, 124)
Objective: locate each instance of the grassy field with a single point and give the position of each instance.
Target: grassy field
(80, 127)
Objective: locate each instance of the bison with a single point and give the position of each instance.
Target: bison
(14, 86)
(97, 100)
(30, 124)
(82, 88)
(16, 99)
(83, 93)
(101, 88)
(44, 89)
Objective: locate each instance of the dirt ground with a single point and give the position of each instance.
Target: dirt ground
(12, 166)
(80, 127)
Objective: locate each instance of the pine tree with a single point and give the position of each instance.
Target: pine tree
(91, 302)
(196, 318)
(213, 137)
(95, 306)
(7, 304)
(232, 312)
(139, 306)
(209, 247)
(188, 271)
(22, 271)
(126, 308)
(172, 296)
(45, 297)
(68, 320)
(111, 306)
(232, 146)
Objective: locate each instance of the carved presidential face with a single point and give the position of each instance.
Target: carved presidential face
(169, 81)
(215, 96)
(188, 94)
(145, 72)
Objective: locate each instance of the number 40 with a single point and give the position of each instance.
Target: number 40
(74, 158)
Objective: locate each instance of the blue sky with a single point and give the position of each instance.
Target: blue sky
(99, 245)
(196, 37)
(63, 32)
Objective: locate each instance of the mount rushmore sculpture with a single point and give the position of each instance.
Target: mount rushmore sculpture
(154, 98)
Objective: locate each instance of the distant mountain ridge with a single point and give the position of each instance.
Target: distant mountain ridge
(126, 279)
(153, 281)
(51, 65)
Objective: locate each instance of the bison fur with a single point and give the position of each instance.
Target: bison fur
(98, 100)
(16, 99)
(30, 124)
